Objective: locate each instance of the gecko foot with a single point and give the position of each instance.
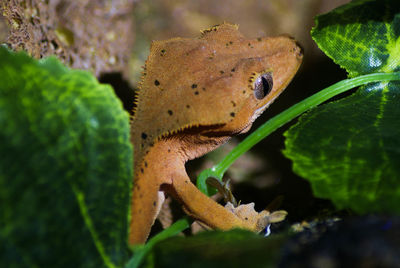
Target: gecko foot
(256, 221)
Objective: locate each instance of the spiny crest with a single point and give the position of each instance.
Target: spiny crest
(135, 105)
(215, 28)
(136, 98)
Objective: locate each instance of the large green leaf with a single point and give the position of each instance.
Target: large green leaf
(350, 149)
(362, 36)
(65, 167)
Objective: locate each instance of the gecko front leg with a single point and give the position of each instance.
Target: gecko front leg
(209, 212)
(169, 174)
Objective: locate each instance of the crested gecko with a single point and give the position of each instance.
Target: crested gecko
(194, 95)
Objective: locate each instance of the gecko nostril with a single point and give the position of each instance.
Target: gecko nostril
(263, 85)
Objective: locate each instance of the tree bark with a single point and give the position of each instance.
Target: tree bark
(94, 35)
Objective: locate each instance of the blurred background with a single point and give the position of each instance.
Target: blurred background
(162, 19)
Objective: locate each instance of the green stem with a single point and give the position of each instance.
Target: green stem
(286, 116)
(141, 251)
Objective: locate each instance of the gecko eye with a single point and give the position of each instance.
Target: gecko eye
(263, 85)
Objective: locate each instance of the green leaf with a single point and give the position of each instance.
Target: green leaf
(350, 149)
(66, 167)
(362, 36)
(235, 248)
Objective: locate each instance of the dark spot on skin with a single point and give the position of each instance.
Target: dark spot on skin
(226, 44)
(246, 218)
(244, 91)
(204, 89)
(151, 144)
(162, 51)
(259, 39)
(170, 112)
(169, 150)
(186, 182)
(141, 170)
(154, 203)
(145, 164)
(138, 187)
(230, 42)
(233, 69)
(144, 135)
(222, 72)
(188, 106)
(141, 195)
(249, 44)
(196, 93)
(233, 103)
(210, 58)
(233, 114)
(142, 144)
(194, 86)
(156, 82)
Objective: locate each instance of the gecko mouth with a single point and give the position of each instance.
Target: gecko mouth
(204, 130)
(220, 132)
(210, 131)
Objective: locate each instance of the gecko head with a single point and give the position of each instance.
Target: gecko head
(215, 85)
(270, 75)
(258, 75)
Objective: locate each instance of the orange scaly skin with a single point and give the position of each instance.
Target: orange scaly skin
(195, 95)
